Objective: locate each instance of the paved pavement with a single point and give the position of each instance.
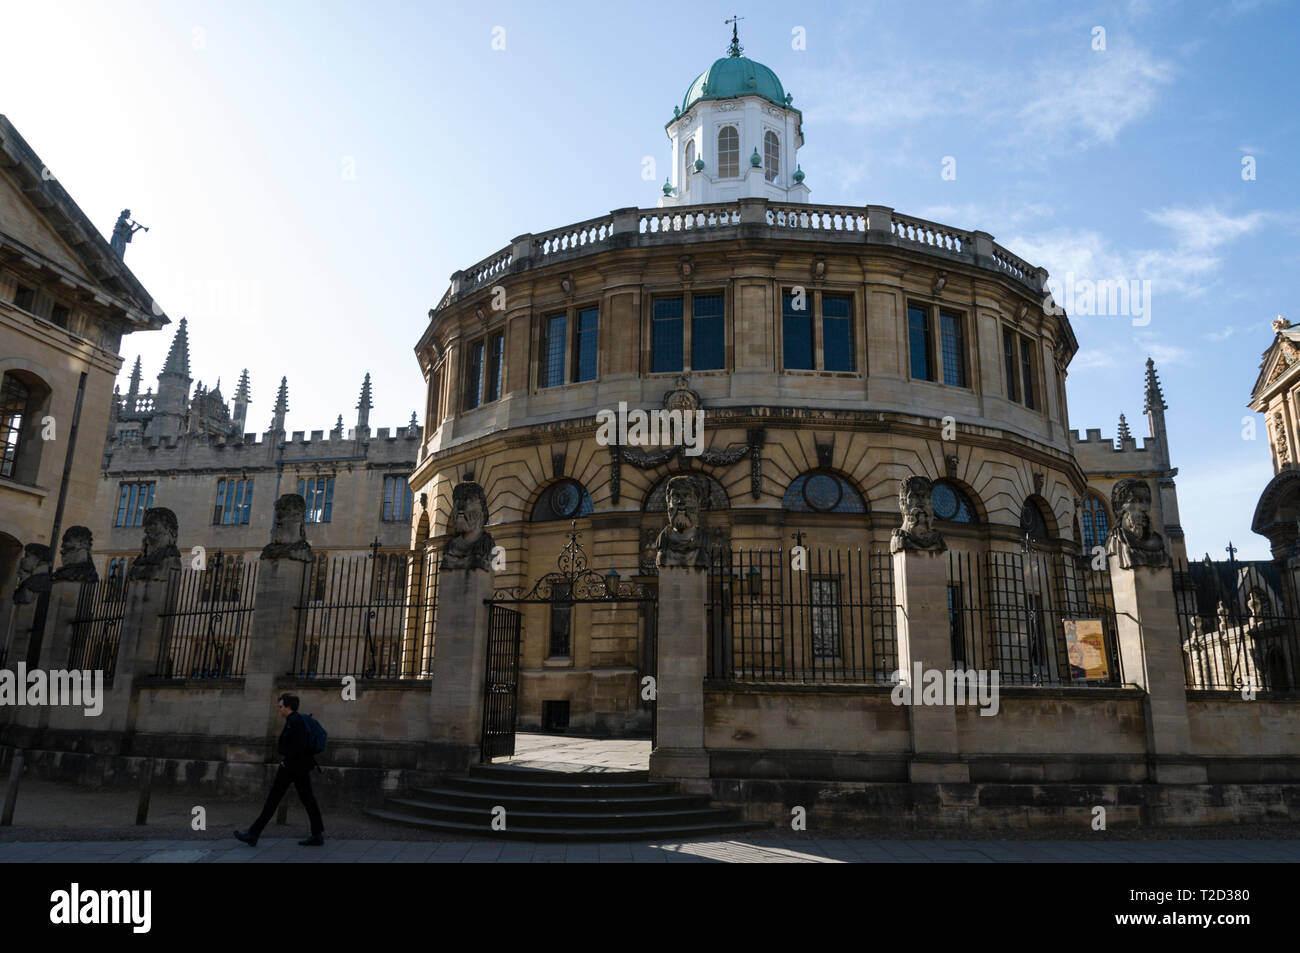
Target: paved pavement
(567, 753)
(718, 850)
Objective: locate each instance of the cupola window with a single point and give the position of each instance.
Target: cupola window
(728, 152)
(771, 156)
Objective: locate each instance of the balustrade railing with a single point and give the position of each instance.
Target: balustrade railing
(806, 221)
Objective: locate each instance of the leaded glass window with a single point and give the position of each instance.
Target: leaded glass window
(564, 500)
(234, 502)
(822, 491)
(666, 344)
(771, 156)
(588, 330)
(554, 331)
(1096, 525)
(953, 343)
(495, 363)
(951, 504)
(14, 396)
(728, 152)
(918, 344)
(318, 493)
(837, 332)
(132, 500)
(796, 332)
(707, 334)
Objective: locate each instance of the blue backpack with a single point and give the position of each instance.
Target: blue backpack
(315, 736)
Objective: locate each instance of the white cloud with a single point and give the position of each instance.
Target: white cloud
(1206, 228)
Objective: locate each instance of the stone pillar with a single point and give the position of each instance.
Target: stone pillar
(924, 642)
(137, 650)
(281, 574)
(1151, 655)
(921, 586)
(679, 752)
(459, 666)
(1150, 644)
(682, 555)
(461, 633)
(753, 211)
(879, 220)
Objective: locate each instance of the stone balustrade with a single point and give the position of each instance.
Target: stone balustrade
(872, 224)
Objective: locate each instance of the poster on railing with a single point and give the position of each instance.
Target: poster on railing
(1085, 646)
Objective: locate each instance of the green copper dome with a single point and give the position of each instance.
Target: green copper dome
(734, 76)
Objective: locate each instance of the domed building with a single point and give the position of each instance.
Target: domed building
(833, 352)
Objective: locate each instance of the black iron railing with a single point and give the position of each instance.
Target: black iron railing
(208, 619)
(1035, 618)
(97, 626)
(368, 616)
(820, 615)
(1239, 626)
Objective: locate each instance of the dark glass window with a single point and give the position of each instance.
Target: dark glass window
(1009, 354)
(918, 344)
(666, 336)
(564, 500)
(318, 493)
(588, 330)
(796, 332)
(1032, 521)
(837, 332)
(956, 624)
(825, 617)
(707, 336)
(495, 358)
(561, 619)
(133, 499)
(13, 411)
(1027, 370)
(1095, 524)
(554, 330)
(954, 348)
(24, 297)
(397, 499)
(951, 504)
(234, 502)
(474, 375)
(822, 492)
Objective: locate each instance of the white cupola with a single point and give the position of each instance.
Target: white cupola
(735, 135)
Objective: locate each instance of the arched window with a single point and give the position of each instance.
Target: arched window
(822, 491)
(951, 504)
(712, 494)
(771, 156)
(14, 397)
(564, 500)
(690, 163)
(728, 152)
(1032, 520)
(1096, 524)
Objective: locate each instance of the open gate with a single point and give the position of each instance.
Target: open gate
(501, 690)
(572, 583)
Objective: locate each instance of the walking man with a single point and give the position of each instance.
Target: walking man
(295, 769)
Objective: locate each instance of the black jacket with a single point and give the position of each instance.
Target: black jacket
(294, 745)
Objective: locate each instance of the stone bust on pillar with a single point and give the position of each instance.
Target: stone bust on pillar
(917, 534)
(1132, 540)
(158, 552)
(470, 545)
(683, 542)
(75, 552)
(33, 574)
(288, 535)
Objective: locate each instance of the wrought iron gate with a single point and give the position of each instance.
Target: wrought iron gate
(501, 688)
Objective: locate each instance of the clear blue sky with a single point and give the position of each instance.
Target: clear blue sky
(228, 128)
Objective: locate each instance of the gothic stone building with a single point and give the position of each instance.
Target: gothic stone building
(833, 351)
(66, 300)
(188, 451)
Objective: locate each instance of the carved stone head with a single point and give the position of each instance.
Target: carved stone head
(1131, 499)
(682, 496)
(288, 535)
(75, 552)
(160, 529)
(468, 511)
(33, 574)
(470, 545)
(290, 515)
(915, 504)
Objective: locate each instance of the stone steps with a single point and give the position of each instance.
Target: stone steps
(562, 806)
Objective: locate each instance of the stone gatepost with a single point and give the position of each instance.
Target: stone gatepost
(460, 638)
(682, 555)
(142, 629)
(1150, 644)
(281, 575)
(921, 586)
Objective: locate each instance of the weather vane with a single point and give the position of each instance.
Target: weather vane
(736, 49)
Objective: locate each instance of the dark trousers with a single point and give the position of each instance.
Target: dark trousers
(301, 781)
